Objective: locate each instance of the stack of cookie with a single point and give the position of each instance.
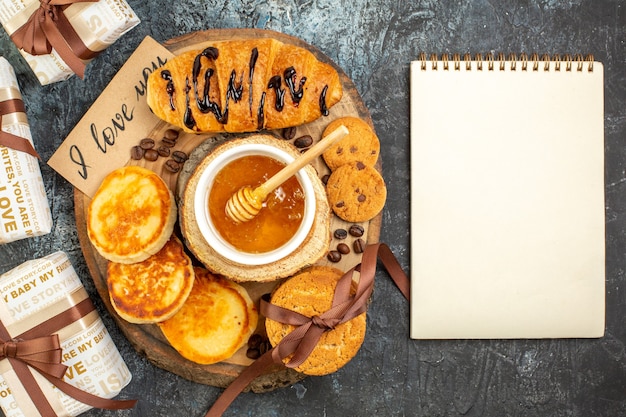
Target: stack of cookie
(310, 293)
(356, 194)
(356, 190)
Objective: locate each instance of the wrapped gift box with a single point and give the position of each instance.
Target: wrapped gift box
(94, 26)
(45, 295)
(24, 208)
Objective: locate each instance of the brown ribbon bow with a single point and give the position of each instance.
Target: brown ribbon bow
(38, 348)
(303, 339)
(9, 140)
(48, 28)
(41, 353)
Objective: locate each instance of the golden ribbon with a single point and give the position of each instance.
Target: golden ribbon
(48, 28)
(38, 348)
(13, 141)
(303, 339)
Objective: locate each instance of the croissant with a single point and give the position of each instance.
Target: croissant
(243, 86)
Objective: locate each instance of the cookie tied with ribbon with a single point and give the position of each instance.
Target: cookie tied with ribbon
(311, 304)
(297, 346)
(48, 28)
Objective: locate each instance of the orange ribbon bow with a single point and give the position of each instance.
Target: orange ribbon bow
(48, 28)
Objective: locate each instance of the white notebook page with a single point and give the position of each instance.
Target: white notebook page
(507, 202)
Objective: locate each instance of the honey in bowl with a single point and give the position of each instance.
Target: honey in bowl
(278, 220)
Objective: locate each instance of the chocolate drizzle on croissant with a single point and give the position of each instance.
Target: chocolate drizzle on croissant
(275, 84)
(169, 87)
(272, 68)
(203, 101)
(290, 80)
(253, 57)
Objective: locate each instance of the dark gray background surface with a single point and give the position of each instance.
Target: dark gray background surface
(374, 41)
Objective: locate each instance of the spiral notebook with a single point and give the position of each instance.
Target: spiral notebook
(507, 197)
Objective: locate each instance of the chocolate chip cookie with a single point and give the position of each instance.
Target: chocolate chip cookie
(360, 144)
(356, 192)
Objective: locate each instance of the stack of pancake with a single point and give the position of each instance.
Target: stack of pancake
(150, 278)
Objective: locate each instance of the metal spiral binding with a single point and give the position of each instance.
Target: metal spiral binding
(523, 61)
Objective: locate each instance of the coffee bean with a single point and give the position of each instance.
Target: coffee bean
(171, 134)
(343, 249)
(303, 141)
(265, 346)
(356, 230)
(172, 166)
(257, 346)
(146, 143)
(151, 155)
(334, 256)
(163, 151)
(253, 353)
(170, 143)
(255, 340)
(289, 133)
(358, 246)
(179, 156)
(340, 234)
(136, 152)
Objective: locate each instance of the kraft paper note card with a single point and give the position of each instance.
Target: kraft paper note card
(117, 120)
(507, 198)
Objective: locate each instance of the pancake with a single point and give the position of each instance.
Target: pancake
(152, 290)
(131, 215)
(216, 321)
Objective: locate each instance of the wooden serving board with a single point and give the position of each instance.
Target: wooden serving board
(148, 339)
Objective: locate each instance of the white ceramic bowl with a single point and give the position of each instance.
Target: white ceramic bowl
(203, 218)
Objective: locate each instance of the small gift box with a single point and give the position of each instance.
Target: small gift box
(24, 209)
(56, 356)
(58, 37)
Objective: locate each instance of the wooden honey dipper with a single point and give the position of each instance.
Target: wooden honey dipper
(246, 203)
